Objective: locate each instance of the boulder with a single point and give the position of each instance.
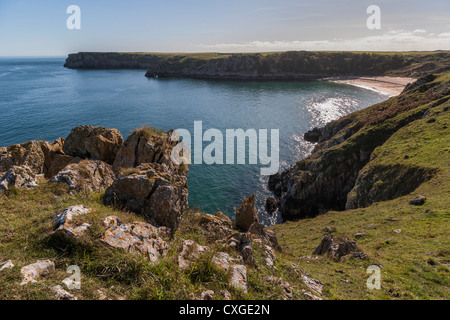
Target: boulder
(223, 260)
(18, 177)
(417, 201)
(242, 242)
(152, 191)
(96, 143)
(91, 175)
(27, 154)
(219, 224)
(311, 283)
(268, 236)
(287, 289)
(313, 135)
(207, 295)
(147, 145)
(36, 270)
(238, 277)
(338, 248)
(246, 214)
(62, 294)
(189, 252)
(137, 238)
(66, 223)
(271, 205)
(6, 265)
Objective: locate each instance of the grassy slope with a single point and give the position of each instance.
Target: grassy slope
(415, 263)
(26, 229)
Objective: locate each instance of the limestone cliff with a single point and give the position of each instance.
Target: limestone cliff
(345, 169)
(293, 65)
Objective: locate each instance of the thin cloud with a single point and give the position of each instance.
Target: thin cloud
(397, 40)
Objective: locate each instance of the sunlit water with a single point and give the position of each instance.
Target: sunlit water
(40, 99)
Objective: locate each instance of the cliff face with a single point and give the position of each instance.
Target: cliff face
(346, 171)
(295, 65)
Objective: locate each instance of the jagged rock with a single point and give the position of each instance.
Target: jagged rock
(54, 157)
(242, 242)
(6, 265)
(287, 289)
(152, 191)
(225, 294)
(65, 221)
(417, 201)
(337, 249)
(313, 135)
(223, 260)
(311, 283)
(96, 143)
(27, 154)
(266, 235)
(147, 145)
(138, 237)
(219, 224)
(270, 253)
(62, 294)
(238, 277)
(36, 270)
(92, 175)
(18, 177)
(271, 205)
(246, 214)
(189, 252)
(207, 295)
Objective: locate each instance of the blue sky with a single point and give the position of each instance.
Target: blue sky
(30, 27)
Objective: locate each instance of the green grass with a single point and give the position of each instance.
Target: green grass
(415, 263)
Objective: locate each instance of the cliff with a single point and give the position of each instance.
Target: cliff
(367, 156)
(294, 65)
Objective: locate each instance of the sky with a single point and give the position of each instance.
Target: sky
(38, 28)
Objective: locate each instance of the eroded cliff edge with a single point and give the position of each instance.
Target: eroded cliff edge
(366, 157)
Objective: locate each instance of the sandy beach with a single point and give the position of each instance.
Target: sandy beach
(391, 86)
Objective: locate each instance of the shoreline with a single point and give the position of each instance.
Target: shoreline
(390, 86)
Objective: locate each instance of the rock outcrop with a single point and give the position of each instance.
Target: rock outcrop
(152, 191)
(218, 224)
(92, 175)
(18, 177)
(338, 248)
(35, 271)
(189, 252)
(96, 143)
(146, 145)
(137, 238)
(66, 221)
(246, 214)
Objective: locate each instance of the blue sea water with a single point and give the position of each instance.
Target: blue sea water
(40, 99)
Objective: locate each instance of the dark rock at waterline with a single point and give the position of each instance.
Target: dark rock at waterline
(313, 135)
(271, 205)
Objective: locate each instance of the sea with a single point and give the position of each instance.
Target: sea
(40, 99)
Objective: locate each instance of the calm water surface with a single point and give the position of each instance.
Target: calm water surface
(40, 99)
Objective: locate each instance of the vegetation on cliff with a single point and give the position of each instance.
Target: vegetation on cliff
(267, 66)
